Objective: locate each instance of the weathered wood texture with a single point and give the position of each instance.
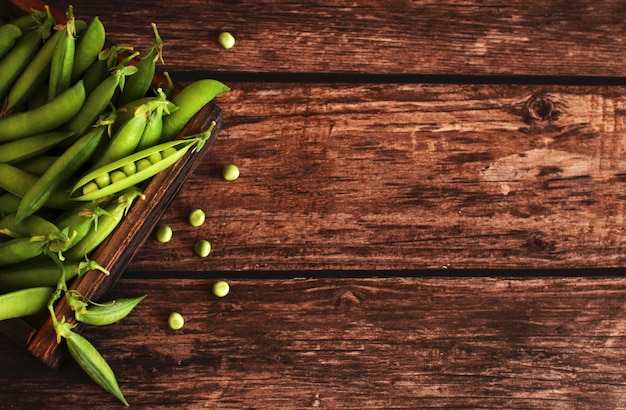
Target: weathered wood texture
(558, 38)
(353, 343)
(406, 176)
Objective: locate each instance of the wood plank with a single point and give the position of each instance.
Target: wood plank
(348, 343)
(558, 38)
(406, 176)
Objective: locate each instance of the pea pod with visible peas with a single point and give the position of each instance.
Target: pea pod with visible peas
(24, 302)
(59, 172)
(156, 159)
(189, 101)
(44, 118)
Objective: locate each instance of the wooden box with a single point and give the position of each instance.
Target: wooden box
(38, 335)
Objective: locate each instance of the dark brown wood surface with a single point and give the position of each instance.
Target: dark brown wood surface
(429, 214)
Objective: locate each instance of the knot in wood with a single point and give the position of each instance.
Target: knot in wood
(540, 107)
(347, 300)
(537, 242)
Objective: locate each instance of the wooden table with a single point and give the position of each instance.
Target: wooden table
(430, 213)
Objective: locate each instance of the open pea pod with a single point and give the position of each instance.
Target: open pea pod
(145, 164)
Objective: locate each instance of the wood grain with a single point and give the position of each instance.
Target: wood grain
(406, 176)
(353, 343)
(557, 38)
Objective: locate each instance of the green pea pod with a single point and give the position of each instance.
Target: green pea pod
(47, 273)
(92, 362)
(169, 152)
(97, 101)
(9, 33)
(80, 220)
(59, 172)
(38, 165)
(31, 226)
(100, 69)
(24, 302)
(189, 101)
(20, 250)
(44, 118)
(14, 62)
(34, 73)
(153, 130)
(18, 182)
(63, 59)
(29, 147)
(138, 85)
(125, 140)
(9, 203)
(107, 313)
(107, 223)
(89, 46)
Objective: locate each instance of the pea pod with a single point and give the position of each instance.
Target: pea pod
(80, 220)
(138, 85)
(100, 70)
(168, 152)
(36, 166)
(29, 147)
(107, 313)
(14, 62)
(107, 223)
(44, 118)
(58, 173)
(24, 302)
(9, 33)
(92, 362)
(47, 273)
(9, 203)
(125, 140)
(63, 59)
(189, 101)
(98, 100)
(34, 225)
(21, 249)
(89, 46)
(34, 74)
(18, 182)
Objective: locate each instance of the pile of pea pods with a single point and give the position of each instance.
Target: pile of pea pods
(82, 126)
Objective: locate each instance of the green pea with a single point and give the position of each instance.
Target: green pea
(230, 172)
(203, 248)
(129, 169)
(168, 151)
(117, 176)
(163, 234)
(221, 288)
(196, 217)
(155, 157)
(226, 40)
(176, 321)
(142, 164)
(103, 180)
(90, 187)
